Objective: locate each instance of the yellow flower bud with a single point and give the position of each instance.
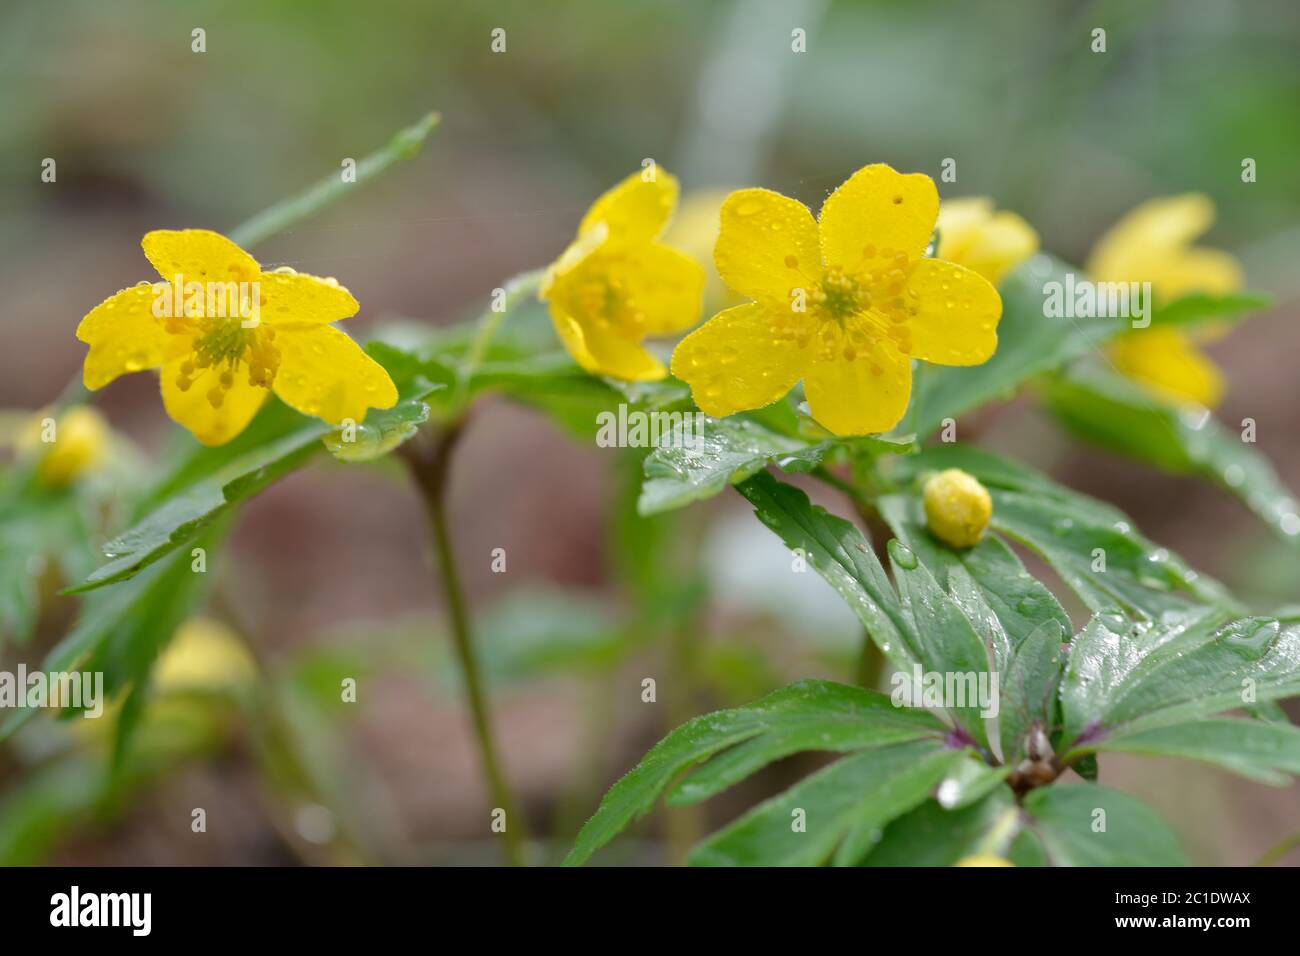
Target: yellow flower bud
(67, 448)
(204, 655)
(957, 508)
(983, 859)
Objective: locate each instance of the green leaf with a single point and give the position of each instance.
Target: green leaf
(843, 807)
(728, 451)
(1077, 535)
(1029, 689)
(851, 722)
(120, 631)
(933, 836)
(836, 550)
(1201, 306)
(1028, 343)
(945, 642)
(1110, 411)
(833, 705)
(1092, 825)
(179, 519)
(1262, 751)
(1020, 602)
(1190, 665)
(382, 431)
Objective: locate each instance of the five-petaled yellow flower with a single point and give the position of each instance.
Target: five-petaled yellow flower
(225, 335)
(615, 284)
(972, 233)
(843, 303)
(1153, 243)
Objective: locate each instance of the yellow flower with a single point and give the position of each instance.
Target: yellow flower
(974, 235)
(75, 444)
(957, 507)
(204, 655)
(1153, 243)
(843, 303)
(984, 859)
(225, 335)
(615, 284)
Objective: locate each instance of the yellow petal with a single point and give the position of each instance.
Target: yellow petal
(957, 314)
(1166, 361)
(1196, 270)
(325, 374)
(123, 335)
(635, 211)
(733, 362)
(767, 246)
(295, 298)
(192, 408)
(879, 208)
(1152, 244)
(602, 350)
(860, 397)
(198, 255)
(974, 235)
(663, 285)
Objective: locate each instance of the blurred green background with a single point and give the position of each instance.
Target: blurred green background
(327, 573)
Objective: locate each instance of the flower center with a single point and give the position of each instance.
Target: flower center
(219, 347)
(607, 299)
(851, 312)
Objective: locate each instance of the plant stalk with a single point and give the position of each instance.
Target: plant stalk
(429, 463)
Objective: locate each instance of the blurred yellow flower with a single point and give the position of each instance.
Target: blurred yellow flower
(957, 507)
(843, 303)
(1153, 243)
(983, 859)
(66, 448)
(204, 655)
(225, 335)
(616, 283)
(694, 231)
(972, 233)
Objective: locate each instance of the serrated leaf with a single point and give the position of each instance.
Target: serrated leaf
(1267, 752)
(698, 739)
(1195, 664)
(945, 642)
(1109, 410)
(836, 550)
(843, 807)
(1066, 819)
(1029, 342)
(690, 466)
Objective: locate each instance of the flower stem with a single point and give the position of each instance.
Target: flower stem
(405, 144)
(429, 462)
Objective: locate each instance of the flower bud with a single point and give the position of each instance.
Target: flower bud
(957, 508)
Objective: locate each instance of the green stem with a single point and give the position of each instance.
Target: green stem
(429, 463)
(405, 144)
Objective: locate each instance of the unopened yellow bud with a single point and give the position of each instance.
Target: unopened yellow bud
(983, 859)
(69, 447)
(957, 508)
